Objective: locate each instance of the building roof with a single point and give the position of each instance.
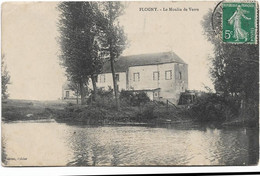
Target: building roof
(122, 64)
(145, 90)
(65, 86)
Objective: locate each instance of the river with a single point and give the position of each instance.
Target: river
(36, 143)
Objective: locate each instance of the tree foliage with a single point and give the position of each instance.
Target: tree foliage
(5, 78)
(90, 32)
(74, 86)
(134, 98)
(80, 51)
(234, 68)
(112, 37)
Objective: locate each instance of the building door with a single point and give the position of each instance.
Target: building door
(67, 94)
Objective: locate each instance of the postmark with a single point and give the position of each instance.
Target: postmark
(239, 22)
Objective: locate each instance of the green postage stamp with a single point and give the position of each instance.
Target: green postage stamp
(239, 22)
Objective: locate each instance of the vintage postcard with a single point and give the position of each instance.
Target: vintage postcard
(124, 83)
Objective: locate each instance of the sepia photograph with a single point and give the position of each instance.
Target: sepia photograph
(130, 83)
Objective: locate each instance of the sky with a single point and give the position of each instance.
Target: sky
(29, 42)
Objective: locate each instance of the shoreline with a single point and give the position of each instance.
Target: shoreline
(184, 124)
(118, 123)
(35, 111)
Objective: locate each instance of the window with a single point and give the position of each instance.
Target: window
(117, 77)
(168, 75)
(117, 87)
(180, 76)
(156, 75)
(102, 78)
(136, 77)
(67, 94)
(155, 94)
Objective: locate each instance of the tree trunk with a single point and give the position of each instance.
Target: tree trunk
(112, 56)
(93, 79)
(82, 92)
(77, 97)
(114, 81)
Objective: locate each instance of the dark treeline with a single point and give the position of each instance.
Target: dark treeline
(5, 78)
(90, 35)
(234, 70)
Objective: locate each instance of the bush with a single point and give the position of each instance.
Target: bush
(105, 102)
(126, 97)
(145, 113)
(101, 94)
(134, 98)
(250, 111)
(104, 99)
(148, 111)
(212, 107)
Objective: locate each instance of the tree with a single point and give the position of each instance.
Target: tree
(97, 64)
(75, 88)
(112, 37)
(80, 54)
(5, 78)
(235, 68)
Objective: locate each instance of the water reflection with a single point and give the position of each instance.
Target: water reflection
(159, 146)
(75, 145)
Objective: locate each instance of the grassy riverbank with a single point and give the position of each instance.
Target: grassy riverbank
(17, 110)
(149, 113)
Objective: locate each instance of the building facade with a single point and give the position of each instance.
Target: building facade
(163, 76)
(67, 93)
